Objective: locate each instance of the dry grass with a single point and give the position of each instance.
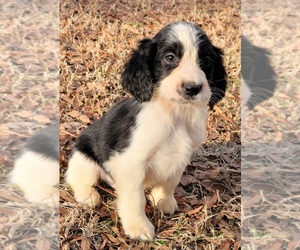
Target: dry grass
(271, 152)
(96, 40)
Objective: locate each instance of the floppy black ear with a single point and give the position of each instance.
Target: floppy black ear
(263, 81)
(137, 77)
(218, 83)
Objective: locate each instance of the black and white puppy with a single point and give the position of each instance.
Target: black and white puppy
(147, 141)
(258, 76)
(36, 168)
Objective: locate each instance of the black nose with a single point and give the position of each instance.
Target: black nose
(191, 89)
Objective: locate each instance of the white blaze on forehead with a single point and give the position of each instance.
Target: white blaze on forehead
(188, 68)
(186, 34)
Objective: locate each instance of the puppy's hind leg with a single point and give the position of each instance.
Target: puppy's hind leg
(82, 175)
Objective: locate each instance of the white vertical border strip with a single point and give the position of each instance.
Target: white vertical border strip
(270, 132)
(29, 76)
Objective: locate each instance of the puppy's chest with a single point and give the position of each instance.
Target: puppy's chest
(170, 155)
(164, 143)
(173, 151)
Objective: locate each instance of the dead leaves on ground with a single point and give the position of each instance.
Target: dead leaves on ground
(209, 214)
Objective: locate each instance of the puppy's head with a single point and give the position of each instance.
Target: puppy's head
(258, 76)
(179, 64)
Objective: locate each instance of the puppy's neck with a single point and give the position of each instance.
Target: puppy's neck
(174, 111)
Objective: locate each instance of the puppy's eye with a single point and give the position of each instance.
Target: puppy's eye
(171, 58)
(207, 61)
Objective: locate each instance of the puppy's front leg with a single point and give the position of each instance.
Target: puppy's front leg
(162, 194)
(131, 205)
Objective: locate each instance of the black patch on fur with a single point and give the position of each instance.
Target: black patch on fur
(137, 77)
(162, 39)
(218, 83)
(257, 72)
(215, 72)
(110, 134)
(45, 142)
(162, 67)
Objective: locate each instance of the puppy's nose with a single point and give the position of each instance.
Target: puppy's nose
(191, 89)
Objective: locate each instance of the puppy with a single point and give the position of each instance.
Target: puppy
(36, 169)
(147, 141)
(258, 76)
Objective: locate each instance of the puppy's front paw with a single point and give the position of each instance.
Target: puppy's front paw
(42, 194)
(87, 195)
(167, 205)
(164, 202)
(139, 229)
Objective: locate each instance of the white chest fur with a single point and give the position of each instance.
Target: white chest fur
(162, 141)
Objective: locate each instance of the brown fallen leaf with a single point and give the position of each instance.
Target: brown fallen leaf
(65, 196)
(225, 244)
(63, 211)
(7, 211)
(130, 28)
(229, 95)
(84, 119)
(9, 196)
(112, 238)
(85, 244)
(250, 202)
(195, 211)
(273, 117)
(41, 119)
(212, 201)
(213, 136)
(221, 113)
(24, 114)
(255, 135)
(74, 113)
(104, 242)
(278, 137)
(12, 98)
(187, 179)
(43, 244)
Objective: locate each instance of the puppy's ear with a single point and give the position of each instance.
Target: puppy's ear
(137, 77)
(218, 83)
(263, 81)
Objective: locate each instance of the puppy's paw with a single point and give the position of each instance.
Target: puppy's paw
(87, 195)
(139, 229)
(42, 194)
(167, 205)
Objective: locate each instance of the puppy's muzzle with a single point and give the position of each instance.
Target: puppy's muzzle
(191, 89)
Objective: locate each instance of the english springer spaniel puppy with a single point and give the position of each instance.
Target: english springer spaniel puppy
(36, 168)
(258, 76)
(147, 140)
